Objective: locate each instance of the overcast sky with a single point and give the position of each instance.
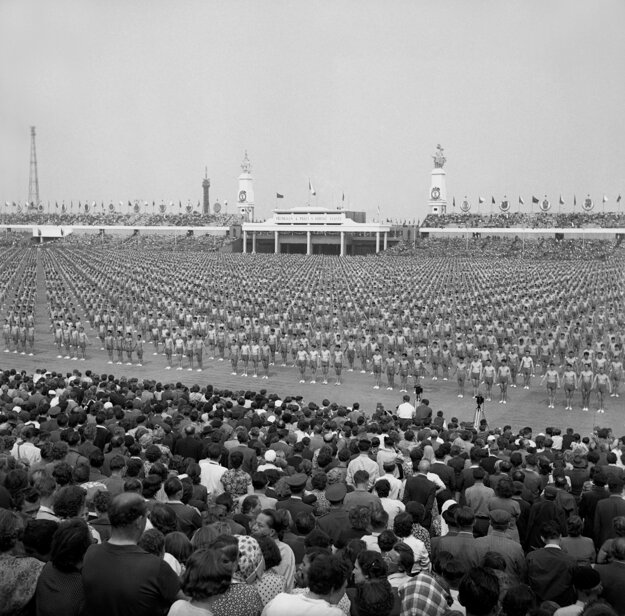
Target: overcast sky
(132, 99)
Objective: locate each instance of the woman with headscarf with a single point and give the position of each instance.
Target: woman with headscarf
(242, 597)
(439, 527)
(18, 574)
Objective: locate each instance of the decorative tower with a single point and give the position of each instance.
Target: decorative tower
(438, 189)
(206, 184)
(245, 205)
(33, 180)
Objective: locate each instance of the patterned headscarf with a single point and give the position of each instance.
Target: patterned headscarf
(251, 563)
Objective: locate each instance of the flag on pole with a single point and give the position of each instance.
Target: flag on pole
(378, 213)
(480, 200)
(618, 199)
(605, 199)
(454, 202)
(343, 197)
(535, 199)
(561, 201)
(492, 200)
(279, 196)
(310, 188)
(574, 200)
(521, 202)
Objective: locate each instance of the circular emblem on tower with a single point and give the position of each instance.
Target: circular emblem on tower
(436, 193)
(242, 196)
(587, 204)
(465, 206)
(545, 206)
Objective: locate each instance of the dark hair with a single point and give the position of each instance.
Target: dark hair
(478, 591)
(374, 598)
(236, 459)
(402, 525)
(518, 600)
(317, 538)
(406, 556)
(270, 550)
(69, 545)
(11, 528)
(153, 541)
(574, 526)
(304, 522)
(178, 545)
(383, 488)
(37, 537)
(386, 540)
(208, 573)
(326, 574)
(372, 564)
(504, 488)
(360, 517)
(163, 517)
(68, 501)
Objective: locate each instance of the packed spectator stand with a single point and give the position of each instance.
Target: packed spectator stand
(527, 220)
(120, 495)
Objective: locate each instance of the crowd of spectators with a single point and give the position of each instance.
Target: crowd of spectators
(106, 218)
(538, 220)
(549, 249)
(127, 496)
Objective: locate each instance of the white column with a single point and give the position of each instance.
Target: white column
(244, 242)
(254, 242)
(308, 243)
(276, 242)
(385, 240)
(342, 243)
(377, 241)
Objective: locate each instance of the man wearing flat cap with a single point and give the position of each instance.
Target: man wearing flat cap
(498, 541)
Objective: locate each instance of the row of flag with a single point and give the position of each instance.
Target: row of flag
(544, 204)
(93, 206)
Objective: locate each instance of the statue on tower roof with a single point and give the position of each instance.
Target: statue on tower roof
(246, 165)
(439, 158)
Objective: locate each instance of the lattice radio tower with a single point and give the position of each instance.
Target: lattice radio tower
(33, 180)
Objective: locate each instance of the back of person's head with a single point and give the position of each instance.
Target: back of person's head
(178, 545)
(69, 502)
(618, 548)
(208, 573)
(360, 517)
(478, 592)
(172, 486)
(270, 550)
(379, 519)
(615, 485)
(465, 517)
(372, 564)
(69, 544)
(37, 538)
(364, 445)
(494, 560)
(153, 542)
(549, 531)
(387, 540)
(361, 477)
(518, 600)
(326, 575)
(374, 598)
(574, 526)
(402, 525)
(304, 522)
(382, 488)
(125, 509)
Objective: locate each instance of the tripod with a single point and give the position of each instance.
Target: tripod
(479, 415)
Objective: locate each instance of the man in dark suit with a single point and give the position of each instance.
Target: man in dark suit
(589, 500)
(544, 510)
(294, 504)
(423, 413)
(189, 446)
(442, 469)
(420, 489)
(613, 577)
(337, 519)
(606, 510)
(550, 569)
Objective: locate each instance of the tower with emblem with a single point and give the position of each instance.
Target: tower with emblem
(438, 189)
(245, 197)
